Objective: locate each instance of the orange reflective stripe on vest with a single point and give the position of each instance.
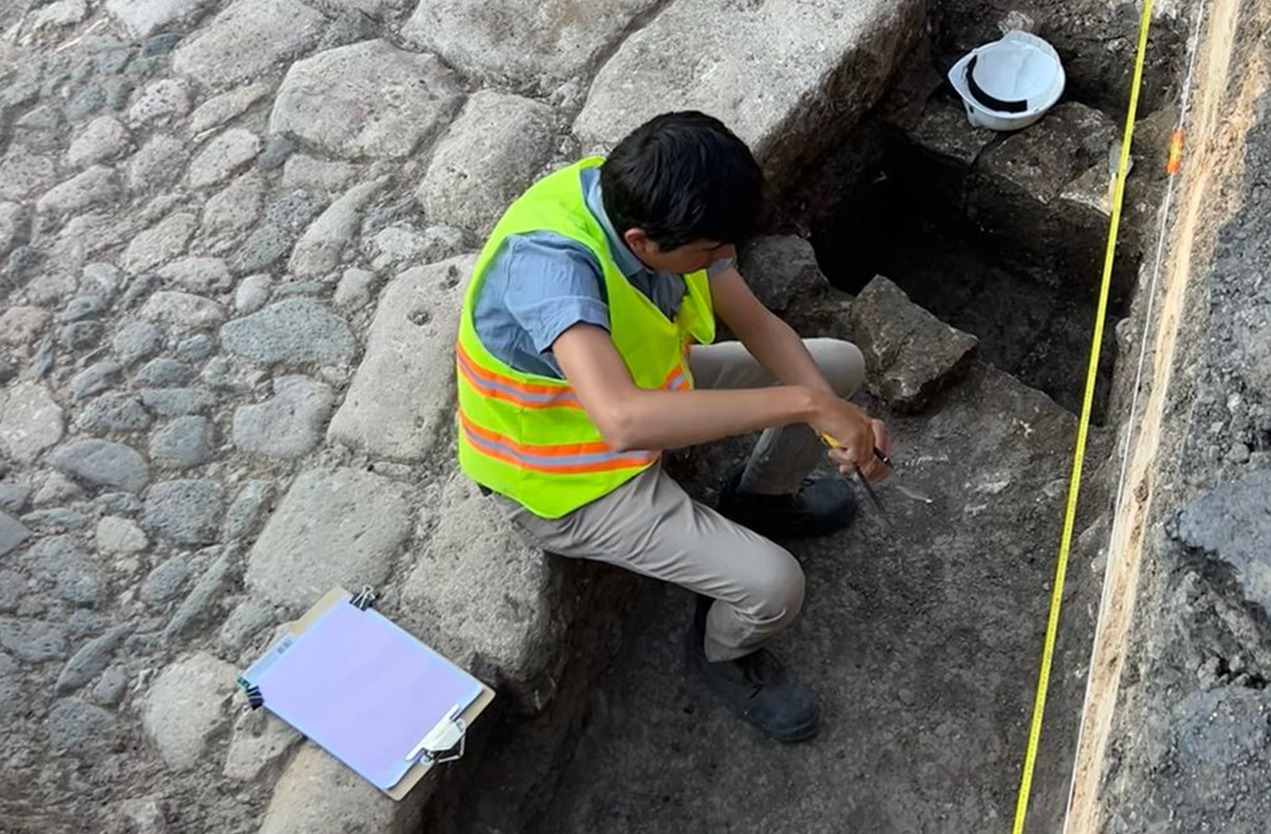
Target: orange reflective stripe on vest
(569, 459)
(529, 395)
(507, 389)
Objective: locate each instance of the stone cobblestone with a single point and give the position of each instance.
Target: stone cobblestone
(288, 425)
(185, 511)
(103, 463)
(294, 331)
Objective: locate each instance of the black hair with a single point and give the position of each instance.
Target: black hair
(683, 177)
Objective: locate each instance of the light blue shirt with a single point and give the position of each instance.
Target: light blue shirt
(540, 284)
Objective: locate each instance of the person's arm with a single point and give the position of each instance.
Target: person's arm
(769, 339)
(630, 417)
(552, 291)
(781, 351)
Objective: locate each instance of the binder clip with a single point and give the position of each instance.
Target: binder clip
(364, 598)
(254, 699)
(444, 743)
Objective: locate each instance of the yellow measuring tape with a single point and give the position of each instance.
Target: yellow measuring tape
(1083, 428)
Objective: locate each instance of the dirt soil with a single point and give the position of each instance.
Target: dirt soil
(922, 645)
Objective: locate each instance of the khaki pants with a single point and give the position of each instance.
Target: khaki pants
(650, 525)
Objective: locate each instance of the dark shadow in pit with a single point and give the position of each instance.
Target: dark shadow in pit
(1001, 236)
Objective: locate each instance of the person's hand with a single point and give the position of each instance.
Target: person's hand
(852, 436)
(882, 442)
(847, 457)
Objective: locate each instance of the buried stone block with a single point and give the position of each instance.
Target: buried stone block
(487, 600)
(35, 641)
(1016, 194)
(259, 742)
(289, 424)
(200, 599)
(185, 511)
(488, 156)
(944, 132)
(945, 147)
(293, 331)
(246, 39)
(58, 561)
(525, 42)
(12, 533)
(30, 421)
(365, 100)
(81, 730)
(319, 249)
(318, 794)
(910, 355)
(91, 659)
(1035, 164)
(186, 705)
(781, 269)
(340, 527)
(100, 463)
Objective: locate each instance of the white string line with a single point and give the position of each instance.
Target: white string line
(1117, 521)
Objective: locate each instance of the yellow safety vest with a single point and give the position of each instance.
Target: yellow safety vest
(526, 436)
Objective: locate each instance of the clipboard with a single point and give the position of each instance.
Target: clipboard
(435, 746)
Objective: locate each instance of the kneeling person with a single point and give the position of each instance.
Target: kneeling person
(585, 349)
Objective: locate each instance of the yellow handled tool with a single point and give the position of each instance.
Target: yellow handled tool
(860, 476)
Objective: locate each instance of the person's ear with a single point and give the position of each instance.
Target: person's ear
(637, 241)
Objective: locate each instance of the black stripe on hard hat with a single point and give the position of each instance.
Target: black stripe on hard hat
(987, 100)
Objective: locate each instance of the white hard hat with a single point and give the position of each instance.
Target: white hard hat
(1008, 84)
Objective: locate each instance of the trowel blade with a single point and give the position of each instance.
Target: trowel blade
(914, 494)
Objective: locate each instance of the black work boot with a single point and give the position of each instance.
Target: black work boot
(757, 687)
(820, 506)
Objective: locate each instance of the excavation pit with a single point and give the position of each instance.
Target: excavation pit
(922, 643)
(998, 235)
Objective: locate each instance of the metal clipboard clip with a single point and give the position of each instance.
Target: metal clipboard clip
(445, 742)
(364, 599)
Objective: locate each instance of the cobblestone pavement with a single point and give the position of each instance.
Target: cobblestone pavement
(234, 238)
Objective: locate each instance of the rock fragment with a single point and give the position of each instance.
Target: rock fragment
(910, 355)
